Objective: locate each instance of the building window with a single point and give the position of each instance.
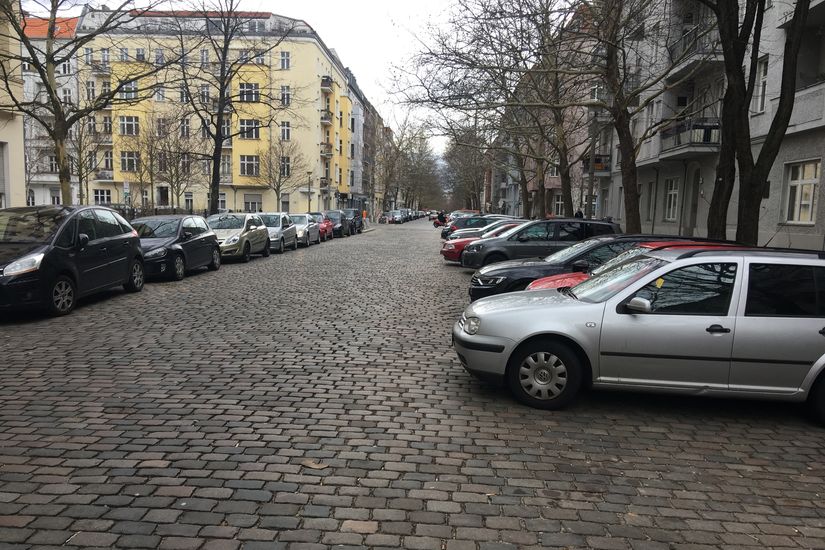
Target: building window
(252, 202)
(129, 161)
(91, 160)
(339, 176)
(66, 67)
(103, 196)
(671, 199)
(286, 131)
(108, 160)
(185, 163)
(30, 198)
(259, 58)
(761, 96)
(144, 197)
(90, 90)
(553, 169)
(249, 93)
(129, 126)
(352, 150)
(222, 201)
(204, 93)
(284, 60)
(286, 96)
(129, 90)
(91, 125)
(286, 167)
(340, 147)
(284, 202)
(159, 56)
(226, 166)
(107, 124)
(250, 129)
(189, 200)
(184, 94)
(140, 54)
(160, 93)
(162, 127)
(106, 87)
(204, 58)
(124, 54)
(67, 96)
(184, 127)
(104, 57)
(53, 166)
(558, 205)
(250, 165)
(54, 194)
(803, 179)
(88, 55)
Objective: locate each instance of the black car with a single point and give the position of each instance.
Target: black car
(355, 219)
(584, 256)
(50, 256)
(534, 239)
(340, 226)
(467, 222)
(174, 244)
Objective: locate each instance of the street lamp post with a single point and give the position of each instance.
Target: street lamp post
(309, 191)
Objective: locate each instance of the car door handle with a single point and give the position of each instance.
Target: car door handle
(822, 332)
(717, 329)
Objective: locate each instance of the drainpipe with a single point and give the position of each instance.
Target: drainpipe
(655, 202)
(682, 205)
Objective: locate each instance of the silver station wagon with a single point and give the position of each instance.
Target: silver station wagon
(742, 322)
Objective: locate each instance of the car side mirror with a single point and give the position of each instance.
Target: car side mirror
(580, 265)
(82, 241)
(187, 235)
(639, 305)
(252, 228)
(523, 238)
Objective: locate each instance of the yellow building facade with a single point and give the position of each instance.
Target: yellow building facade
(289, 118)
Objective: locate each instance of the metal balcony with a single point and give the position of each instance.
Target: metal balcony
(689, 138)
(325, 181)
(101, 68)
(105, 175)
(326, 150)
(601, 163)
(326, 84)
(104, 138)
(697, 45)
(326, 117)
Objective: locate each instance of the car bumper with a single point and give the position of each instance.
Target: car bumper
(232, 250)
(471, 259)
(482, 356)
(451, 255)
(478, 292)
(158, 267)
(22, 291)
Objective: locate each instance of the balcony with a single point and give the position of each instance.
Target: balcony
(326, 84)
(601, 165)
(808, 110)
(101, 68)
(104, 175)
(697, 45)
(326, 150)
(104, 138)
(325, 181)
(690, 138)
(326, 117)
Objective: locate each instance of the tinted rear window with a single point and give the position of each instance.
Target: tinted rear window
(785, 291)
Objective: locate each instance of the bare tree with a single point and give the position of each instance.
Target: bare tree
(283, 167)
(84, 147)
(36, 154)
(180, 155)
(55, 60)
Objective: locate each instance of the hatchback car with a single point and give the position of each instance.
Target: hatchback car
(282, 231)
(355, 219)
(51, 256)
(478, 231)
(174, 244)
(340, 225)
(721, 322)
(537, 238)
(325, 225)
(240, 235)
(466, 222)
(306, 229)
(453, 249)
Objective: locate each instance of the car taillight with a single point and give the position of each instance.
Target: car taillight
(453, 228)
(133, 233)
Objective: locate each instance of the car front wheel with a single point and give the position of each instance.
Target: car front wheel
(136, 277)
(178, 268)
(215, 264)
(266, 251)
(247, 253)
(545, 374)
(62, 296)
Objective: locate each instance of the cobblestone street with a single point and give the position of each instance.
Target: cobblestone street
(312, 400)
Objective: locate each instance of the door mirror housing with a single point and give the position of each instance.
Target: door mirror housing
(252, 228)
(82, 241)
(639, 305)
(581, 266)
(523, 238)
(187, 235)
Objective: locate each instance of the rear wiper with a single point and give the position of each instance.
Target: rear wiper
(567, 291)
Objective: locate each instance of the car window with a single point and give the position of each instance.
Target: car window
(285, 221)
(785, 291)
(107, 225)
(536, 232)
(67, 236)
(201, 223)
(569, 232)
(600, 229)
(190, 226)
(606, 252)
(476, 222)
(87, 224)
(703, 289)
(124, 225)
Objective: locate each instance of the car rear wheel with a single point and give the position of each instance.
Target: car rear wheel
(137, 277)
(62, 296)
(318, 240)
(267, 250)
(306, 240)
(280, 247)
(216, 260)
(493, 258)
(816, 400)
(178, 268)
(295, 243)
(545, 374)
(247, 253)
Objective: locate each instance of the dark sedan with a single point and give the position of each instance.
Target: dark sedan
(50, 256)
(584, 256)
(173, 245)
(466, 223)
(355, 220)
(340, 226)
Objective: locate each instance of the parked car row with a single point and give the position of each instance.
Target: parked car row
(51, 256)
(648, 313)
(402, 215)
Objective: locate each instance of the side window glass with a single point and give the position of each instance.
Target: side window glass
(537, 232)
(249, 223)
(107, 225)
(190, 226)
(569, 232)
(87, 224)
(201, 223)
(703, 289)
(783, 291)
(67, 236)
(596, 229)
(285, 221)
(124, 225)
(607, 252)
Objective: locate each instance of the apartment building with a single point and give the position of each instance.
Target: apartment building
(12, 171)
(290, 116)
(677, 166)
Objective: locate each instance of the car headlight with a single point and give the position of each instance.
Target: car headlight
(473, 248)
(156, 253)
(471, 325)
(300, 233)
(233, 239)
(26, 264)
(449, 246)
(490, 281)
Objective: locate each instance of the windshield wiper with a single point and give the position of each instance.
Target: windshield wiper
(567, 291)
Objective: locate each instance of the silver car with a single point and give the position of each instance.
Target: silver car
(306, 229)
(240, 235)
(282, 232)
(738, 322)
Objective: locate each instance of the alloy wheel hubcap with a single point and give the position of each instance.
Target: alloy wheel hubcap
(62, 296)
(179, 267)
(216, 258)
(542, 375)
(137, 275)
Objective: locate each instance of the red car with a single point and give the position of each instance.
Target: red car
(324, 225)
(564, 280)
(452, 250)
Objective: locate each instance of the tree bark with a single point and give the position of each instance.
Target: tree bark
(633, 220)
(64, 169)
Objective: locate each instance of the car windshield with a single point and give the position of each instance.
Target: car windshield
(224, 221)
(271, 221)
(156, 229)
(350, 212)
(499, 230)
(299, 219)
(334, 216)
(608, 284)
(620, 259)
(565, 254)
(31, 225)
(318, 217)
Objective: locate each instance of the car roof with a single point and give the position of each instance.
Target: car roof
(165, 217)
(678, 253)
(272, 213)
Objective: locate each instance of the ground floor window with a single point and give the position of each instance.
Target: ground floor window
(803, 179)
(671, 199)
(189, 201)
(284, 202)
(558, 205)
(252, 202)
(54, 195)
(102, 196)
(30, 198)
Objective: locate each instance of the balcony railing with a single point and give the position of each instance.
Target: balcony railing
(699, 40)
(695, 131)
(325, 181)
(101, 68)
(106, 175)
(326, 149)
(601, 163)
(326, 83)
(326, 116)
(104, 137)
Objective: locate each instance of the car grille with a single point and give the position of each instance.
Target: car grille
(462, 321)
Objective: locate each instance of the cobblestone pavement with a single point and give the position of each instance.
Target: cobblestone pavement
(312, 400)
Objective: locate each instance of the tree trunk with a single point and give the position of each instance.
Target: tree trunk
(64, 169)
(725, 169)
(215, 183)
(566, 187)
(633, 219)
(540, 207)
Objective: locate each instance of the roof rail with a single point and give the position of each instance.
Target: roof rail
(818, 253)
(688, 240)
